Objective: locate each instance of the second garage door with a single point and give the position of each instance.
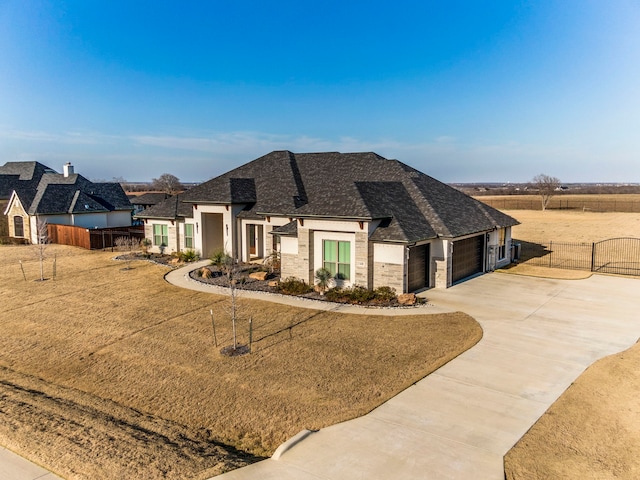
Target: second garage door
(467, 257)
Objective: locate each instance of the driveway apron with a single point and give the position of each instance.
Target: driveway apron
(460, 421)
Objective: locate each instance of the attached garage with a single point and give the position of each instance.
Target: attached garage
(418, 268)
(468, 258)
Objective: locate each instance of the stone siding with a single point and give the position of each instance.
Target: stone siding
(301, 265)
(443, 272)
(388, 275)
(363, 256)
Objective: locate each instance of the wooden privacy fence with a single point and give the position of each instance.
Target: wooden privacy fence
(559, 203)
(91, 238)
(617, 255)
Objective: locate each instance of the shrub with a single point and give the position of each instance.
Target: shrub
(385, 294)
(361, 295)
(145, 244)
(294, 286)
(323, 277)
(189, 255)
(220, 258)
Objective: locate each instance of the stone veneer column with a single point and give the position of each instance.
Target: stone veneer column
(304, 261)
(362, 260)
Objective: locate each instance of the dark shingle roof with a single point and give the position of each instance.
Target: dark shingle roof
(171, 208)
(21, 174)
(149, 198)
(43, 191)
(411, 205)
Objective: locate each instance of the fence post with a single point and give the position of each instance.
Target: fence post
(550, 252)
(593, 257)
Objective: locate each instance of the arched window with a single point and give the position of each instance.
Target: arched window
(18, 226)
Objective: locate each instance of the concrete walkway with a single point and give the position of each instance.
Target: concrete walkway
(459, 422)
(15, 467)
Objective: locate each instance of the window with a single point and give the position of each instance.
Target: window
(337, 258)
(188, 235)
(160, 235)
(502, 244)
(18, 226)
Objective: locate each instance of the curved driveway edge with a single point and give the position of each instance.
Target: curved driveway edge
(180, 278)
(459, 422)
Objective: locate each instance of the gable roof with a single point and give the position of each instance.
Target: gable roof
(171, 209)
(42, 191)
(410, 205)
(25, 174)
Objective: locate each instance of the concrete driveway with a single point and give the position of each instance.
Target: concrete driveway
(459, 422)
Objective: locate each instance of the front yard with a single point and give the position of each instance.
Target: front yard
(113, 373)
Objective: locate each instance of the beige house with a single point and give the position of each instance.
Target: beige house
(370, 221)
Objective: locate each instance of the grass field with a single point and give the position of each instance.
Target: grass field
(113, 373)
(624, 202)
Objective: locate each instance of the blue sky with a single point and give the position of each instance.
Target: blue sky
(464, 91)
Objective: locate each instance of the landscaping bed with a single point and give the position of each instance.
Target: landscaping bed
(244, 278)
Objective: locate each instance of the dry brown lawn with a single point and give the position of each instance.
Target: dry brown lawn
(593, 430)
(112, 373)
(573, 226)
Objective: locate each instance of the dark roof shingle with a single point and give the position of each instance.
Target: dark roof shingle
(411, 205)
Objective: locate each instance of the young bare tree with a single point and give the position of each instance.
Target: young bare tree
(129, 245)
(167, 183)
(547, 187)
(230, 269)
(42, 238)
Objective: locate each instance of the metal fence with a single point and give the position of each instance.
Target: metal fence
(616, 255)
(559, 203)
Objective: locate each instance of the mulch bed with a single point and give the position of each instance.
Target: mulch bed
(245, 282)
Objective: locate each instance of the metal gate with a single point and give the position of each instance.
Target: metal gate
(617, 255)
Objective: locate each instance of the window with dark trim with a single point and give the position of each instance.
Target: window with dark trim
(502, 243)
(188, 235)
(336, 257)
(18, 226)
(160, 234)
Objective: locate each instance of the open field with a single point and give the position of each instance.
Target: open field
(113, 373)
(623, 202)
(593, 430)
(573, 226)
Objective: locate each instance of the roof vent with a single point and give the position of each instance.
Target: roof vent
(67, 169)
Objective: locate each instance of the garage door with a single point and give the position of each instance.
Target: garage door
(467, 257)
(418, 275)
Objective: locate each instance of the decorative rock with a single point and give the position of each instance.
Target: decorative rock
(174, 261)
(407, 299)
(259, 275)
(273, 283)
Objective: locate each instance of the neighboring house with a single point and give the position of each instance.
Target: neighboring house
(146, 200)
(371, 221)
(169, 225)
(38, 193)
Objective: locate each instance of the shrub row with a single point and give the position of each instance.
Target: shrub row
(360, 295)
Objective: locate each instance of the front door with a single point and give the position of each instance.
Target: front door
(418, 275)
(252, 240)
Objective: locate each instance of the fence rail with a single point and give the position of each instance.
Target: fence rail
(559, 203)
(91, 238)
(616, 255)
